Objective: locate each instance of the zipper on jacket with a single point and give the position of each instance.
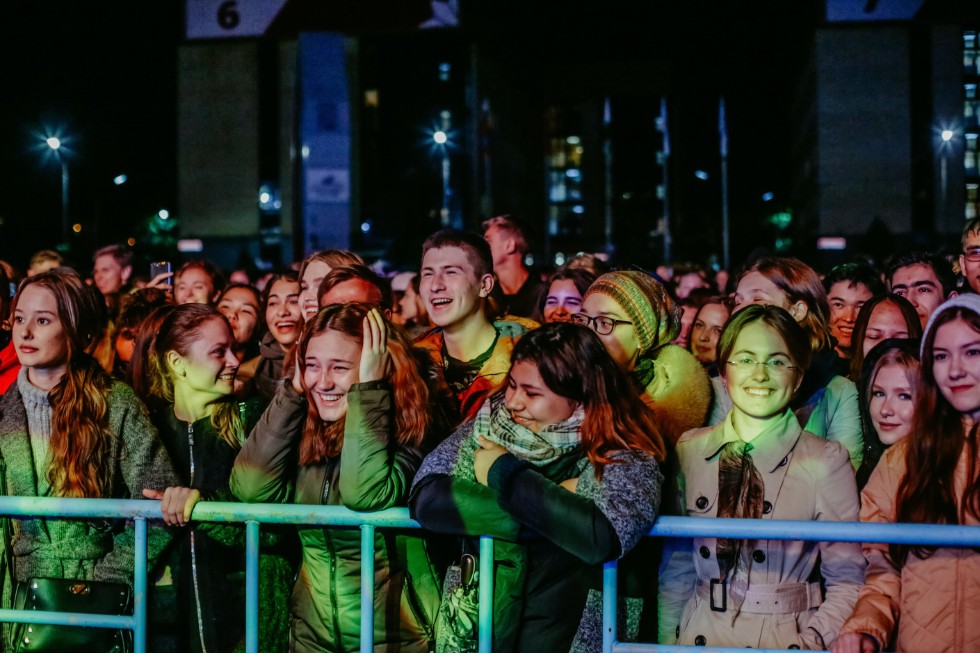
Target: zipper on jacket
(197, 591)
(333, 592)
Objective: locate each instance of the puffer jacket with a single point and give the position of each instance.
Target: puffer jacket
(934, 601)
(805, 478)
(371, 473)
(680, 392)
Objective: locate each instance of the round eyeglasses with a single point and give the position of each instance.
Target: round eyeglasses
(600, 323)
(773, 366)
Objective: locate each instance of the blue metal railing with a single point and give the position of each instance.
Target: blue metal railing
(253, 514)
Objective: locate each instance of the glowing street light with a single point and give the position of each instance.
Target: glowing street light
(946, 135)
(440, 137)
(55, 144)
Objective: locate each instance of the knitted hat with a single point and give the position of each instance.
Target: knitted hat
(968, 301)
(655, 316)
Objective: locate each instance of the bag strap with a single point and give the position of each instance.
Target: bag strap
(8, 549)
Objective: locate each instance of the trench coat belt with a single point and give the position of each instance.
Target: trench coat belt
(785, 598)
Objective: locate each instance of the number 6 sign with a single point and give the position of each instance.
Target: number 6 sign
(211, 19)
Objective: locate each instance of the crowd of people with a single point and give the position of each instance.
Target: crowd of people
(559, 413)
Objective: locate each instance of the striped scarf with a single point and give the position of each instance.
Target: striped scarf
(493, 421)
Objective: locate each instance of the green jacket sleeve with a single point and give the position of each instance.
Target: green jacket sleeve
(265, 468)
(375, 472)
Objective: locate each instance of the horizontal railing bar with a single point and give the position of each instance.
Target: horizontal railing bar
(817, 531)
(115, 622)
(771, 529)
(636, 647)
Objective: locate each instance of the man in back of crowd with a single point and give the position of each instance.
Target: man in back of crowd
(848, 287)
(517, 287)
(470, 352)
(355, 283)
(970, 255)
(923, 278)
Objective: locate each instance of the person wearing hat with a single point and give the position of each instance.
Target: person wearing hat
(925, 598)
(635, 318)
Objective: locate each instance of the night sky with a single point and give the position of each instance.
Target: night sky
(102, 74)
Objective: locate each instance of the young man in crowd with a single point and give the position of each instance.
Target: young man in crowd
(518, 287)
(470, 353)
(923, 278)
(970, 256)
(848, 287)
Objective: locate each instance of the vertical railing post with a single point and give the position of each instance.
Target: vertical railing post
(486, 595)
(367, 587)
(139, 587)
(251, 587)
(609, 597)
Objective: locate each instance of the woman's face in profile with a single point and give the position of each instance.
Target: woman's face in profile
(621, 342)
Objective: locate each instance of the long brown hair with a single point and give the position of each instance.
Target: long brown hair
(81, 441)
(323, 440)
(927, 493)
(177, 327)
(574, 364)
(912, 324)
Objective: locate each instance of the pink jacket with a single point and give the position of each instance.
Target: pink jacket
(937, 598)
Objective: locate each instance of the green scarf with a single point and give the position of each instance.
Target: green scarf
(493, 421)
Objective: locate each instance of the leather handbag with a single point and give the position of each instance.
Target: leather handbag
(64, 595)
(67, 595)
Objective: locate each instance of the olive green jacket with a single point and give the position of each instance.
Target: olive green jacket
(372, 473)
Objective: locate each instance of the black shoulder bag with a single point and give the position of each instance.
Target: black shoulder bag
(64, 595)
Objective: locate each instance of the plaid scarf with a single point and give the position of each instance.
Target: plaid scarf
(493, 421)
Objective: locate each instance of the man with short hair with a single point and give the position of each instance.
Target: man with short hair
(355, 283)
(970, 255)
(112, 267)
(848, 287)
(470, 353)
(518, 287)
(923, 278)
(44, 260)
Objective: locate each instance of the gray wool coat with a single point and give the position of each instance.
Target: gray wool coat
(85, 549)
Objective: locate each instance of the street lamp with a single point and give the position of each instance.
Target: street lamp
(56, 146)
(947, 141)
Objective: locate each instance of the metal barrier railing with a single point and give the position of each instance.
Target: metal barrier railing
(253, 514)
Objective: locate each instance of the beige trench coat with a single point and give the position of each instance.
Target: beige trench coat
(806, 478)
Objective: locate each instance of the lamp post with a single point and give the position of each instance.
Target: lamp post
(55, 144)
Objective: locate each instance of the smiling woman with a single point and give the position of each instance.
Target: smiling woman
(190, 369)
(563, 468)
(759, 464)
(348, 429)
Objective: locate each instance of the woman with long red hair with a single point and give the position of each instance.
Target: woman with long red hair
(349, 429)
(563, 468)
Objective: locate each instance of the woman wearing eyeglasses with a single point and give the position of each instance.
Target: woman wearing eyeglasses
(635, 318)
(760, 464)
(826, 403)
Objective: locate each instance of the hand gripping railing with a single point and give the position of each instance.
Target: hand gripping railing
(254, 514)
